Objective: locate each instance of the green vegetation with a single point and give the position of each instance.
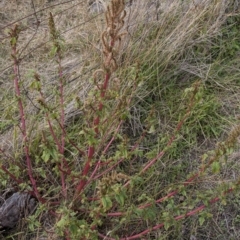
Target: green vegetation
(122, 130)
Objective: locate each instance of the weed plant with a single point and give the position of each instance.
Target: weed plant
(122, 130)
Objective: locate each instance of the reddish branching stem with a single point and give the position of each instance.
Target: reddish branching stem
(179, 126)
(17, 180)
(114, 18)
(177, 218)
(61, 146)
(14, 33)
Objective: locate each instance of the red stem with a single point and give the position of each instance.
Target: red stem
(106, 149)
(160, 155)
(158, 226)
(59, 146)
(91, 149)
(22, 116)
(121, 160)
(112, 139)
(18, 181)
(62, 128)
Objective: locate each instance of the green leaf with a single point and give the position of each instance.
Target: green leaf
(54, 154)
(35, 85)
(201, 220)
(224, 202)
(150, 213)
(152, 129)
(53, 51)
(120, 199)
(13, 41)
(46, 156)
(106, 202)
(204, 156)
(215, 167)
(138, 212)
(166, 225)
(125, 153)
(64, 221)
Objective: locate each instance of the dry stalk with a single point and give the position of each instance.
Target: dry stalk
(111, 41)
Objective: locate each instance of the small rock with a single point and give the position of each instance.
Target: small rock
(14, 208)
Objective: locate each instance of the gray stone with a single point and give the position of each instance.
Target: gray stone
(14, 208)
